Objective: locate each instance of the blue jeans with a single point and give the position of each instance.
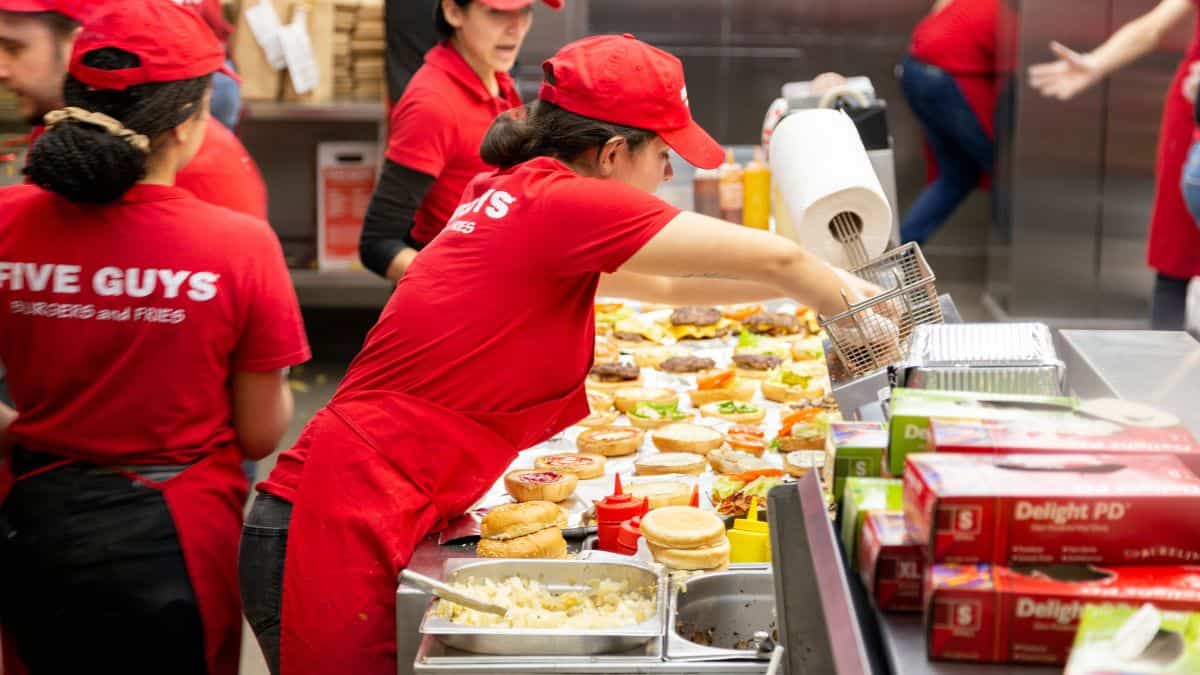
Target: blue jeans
(960, 146)
(1190, 182)
(226, 103)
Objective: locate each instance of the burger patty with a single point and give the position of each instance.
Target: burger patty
(756, 361)
(766, 323)
(687, 364)
(616, 372)
(695, 316)
(629, 337)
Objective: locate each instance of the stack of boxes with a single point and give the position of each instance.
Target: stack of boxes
(359, 44)
(1015, 512)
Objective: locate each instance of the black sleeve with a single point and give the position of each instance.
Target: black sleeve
(1196, 110)
(388, 224)
(410, 33)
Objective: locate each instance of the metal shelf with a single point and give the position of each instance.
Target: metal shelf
(348, 111)
(341, 288)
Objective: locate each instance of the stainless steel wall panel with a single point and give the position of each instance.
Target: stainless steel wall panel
(778, 22)
(661, 22)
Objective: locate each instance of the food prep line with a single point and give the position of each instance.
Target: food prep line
(824, 619)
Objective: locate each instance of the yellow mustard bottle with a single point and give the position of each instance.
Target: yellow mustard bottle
(749, 541)
(756, 193)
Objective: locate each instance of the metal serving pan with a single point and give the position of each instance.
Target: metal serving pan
(1014, 358)
(543, 641)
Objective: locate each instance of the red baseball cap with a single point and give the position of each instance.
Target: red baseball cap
(622, 80)
(518, 4)
(173, 43)
(72, 9)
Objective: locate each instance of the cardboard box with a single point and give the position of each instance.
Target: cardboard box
(912, 409)
(864, 495)
(856, 450)
(1042, 509)
(1108, 640)
(346, 175)
(1005, 615)
(1063, 435)
(892, 563)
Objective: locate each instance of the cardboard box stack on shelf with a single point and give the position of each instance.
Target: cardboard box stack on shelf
(358, 50)
(1017, 511)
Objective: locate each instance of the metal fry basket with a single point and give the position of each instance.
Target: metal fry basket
(877, 333)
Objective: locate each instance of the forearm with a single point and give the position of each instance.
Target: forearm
(386, 246)
(1140, 36)
(684, 291)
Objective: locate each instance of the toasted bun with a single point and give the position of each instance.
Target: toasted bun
(687, 438)
(599, 401)
(727, 460)
(781, 393)
(662, 493)
(642, 423)
(739, 390)
(628, 398)
(685, 527)
(670, 462)
(609, 387)
(653, 356)
(599, 418)
(527, 485)
(606, 352)
(792, 444)
(747, 374)
(509, 521)
(547, 543)
(610, 441)
(713, 410)
(584, 465)
(713, 557)
(800, 462)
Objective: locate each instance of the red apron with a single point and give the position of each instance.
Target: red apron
(205, 501)
(1174, 246)
(383, 471)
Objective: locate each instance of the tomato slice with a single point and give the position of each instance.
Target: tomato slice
(751, 476)
(746, 443)
(798, 417)
(747, 430)
(742, 312)
(715, 381)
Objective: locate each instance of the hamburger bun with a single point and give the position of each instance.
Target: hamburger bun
(653, 356)
(628, 398)
(782, 393)
(800, 462)
(606, 352)
(794, 443)
(670, 462)
(662, 493)
(599, 418)
(599, 401)
(658, 423)
(745, 417)
(584, 465)
(710, 558)
(610, 441)
(728, 460)
(683, 437)
(685, 527)
(528, 485)
(509, 521)
(594, 384)
(737, 390)
(547, 543)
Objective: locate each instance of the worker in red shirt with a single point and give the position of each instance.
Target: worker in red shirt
(949, 79)
(485, 345)
(145, 334)
(436, 127)
(35, 40)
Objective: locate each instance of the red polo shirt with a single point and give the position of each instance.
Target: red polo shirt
(495, 315)
(122, 324)
(223, 173)
(437, 126)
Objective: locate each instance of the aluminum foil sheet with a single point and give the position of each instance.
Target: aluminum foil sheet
(1001, 358)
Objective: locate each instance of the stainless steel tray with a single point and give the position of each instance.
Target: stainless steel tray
(1015, 358)
(551, 642)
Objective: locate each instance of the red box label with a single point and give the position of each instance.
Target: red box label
(892, 564)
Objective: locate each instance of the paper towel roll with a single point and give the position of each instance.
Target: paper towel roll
(820, 169)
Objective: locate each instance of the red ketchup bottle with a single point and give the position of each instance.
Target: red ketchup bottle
(611, 512)
(631, 531)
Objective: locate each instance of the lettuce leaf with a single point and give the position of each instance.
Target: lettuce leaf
(724, 487)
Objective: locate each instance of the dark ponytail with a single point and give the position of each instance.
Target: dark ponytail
(84, 162)
(542, 129)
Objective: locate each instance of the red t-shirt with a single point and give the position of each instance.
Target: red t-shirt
(121, 324)
(961, 40)
(437, 127)
(495, 315)
(221, 173)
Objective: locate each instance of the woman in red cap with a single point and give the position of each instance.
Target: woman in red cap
(485, 345)
(145, 333)
(437, 125)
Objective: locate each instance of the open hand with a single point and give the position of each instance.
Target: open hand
(1065, 78)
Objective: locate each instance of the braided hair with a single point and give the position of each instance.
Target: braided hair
(84, 162)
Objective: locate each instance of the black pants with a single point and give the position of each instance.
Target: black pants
(260, 571)
(1168, 308)
(92, 579)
